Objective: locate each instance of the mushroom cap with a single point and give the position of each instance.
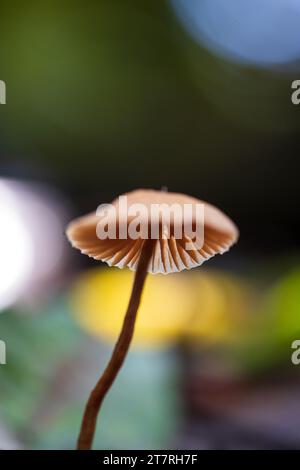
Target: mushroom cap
(169, 252)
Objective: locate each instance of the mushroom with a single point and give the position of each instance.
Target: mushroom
(160, 251)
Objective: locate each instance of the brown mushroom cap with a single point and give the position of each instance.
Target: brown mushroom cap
(169, 254)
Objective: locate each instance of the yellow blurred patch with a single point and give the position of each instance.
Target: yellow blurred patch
(100, 298)
(220, 304)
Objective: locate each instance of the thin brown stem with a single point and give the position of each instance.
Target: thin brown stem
(97, 395)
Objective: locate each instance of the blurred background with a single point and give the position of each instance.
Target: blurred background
(105, 97)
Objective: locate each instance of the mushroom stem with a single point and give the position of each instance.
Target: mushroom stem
(120, 351)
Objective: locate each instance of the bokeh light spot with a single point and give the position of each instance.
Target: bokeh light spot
(261, 32)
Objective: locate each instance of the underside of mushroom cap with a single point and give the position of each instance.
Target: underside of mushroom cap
(169, 252)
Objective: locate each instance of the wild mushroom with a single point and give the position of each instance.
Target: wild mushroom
(161, 250)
